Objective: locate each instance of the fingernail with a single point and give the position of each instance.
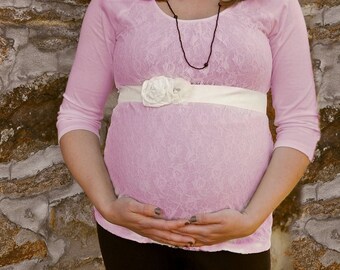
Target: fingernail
(158, 211)
(193, 219)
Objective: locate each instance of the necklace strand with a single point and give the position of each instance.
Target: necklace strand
(180, 38)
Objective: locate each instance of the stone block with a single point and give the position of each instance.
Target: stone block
(22, 3)
(26, 265)
(19, 245)
(313, 15)
(330, 258)
(306, 253)
(53, 154)
(325, 232)
(30, 166)
(25, 236)
(36, 163)
(331, 15)
(328, 94)
(57, 195)
(56, 249)
(6, 3)
(4, 172)
(93, 263)
(26, 58)
(31, 110)
(308, 193)
(51, 179)
(329, 190)
(65, 9)
(72, 219)
(329, 208)
(18, 35)
(70, 211)
(8, 231)
(29, 213)
(326, 164)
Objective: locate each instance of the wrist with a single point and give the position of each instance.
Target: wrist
(107, 209)
(252, 221)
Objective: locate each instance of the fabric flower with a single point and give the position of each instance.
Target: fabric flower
(161, 90)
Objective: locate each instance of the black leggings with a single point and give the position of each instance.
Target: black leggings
(122, 254)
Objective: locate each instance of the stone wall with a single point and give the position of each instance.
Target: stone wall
(45, 219)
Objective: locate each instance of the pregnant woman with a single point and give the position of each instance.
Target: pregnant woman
(190, 174)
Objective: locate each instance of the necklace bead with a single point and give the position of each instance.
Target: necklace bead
(206, 64)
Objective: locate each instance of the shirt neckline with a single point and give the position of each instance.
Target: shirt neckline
(212, 17)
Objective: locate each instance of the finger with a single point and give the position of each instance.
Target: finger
(209, 241)
(170, 238)
(206, 218)
(146, 209)
(176, 238)
(198, 230)
(205, 241)
(172, 244)
(161, 224)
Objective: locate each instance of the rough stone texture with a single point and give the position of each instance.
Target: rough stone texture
(52, 178)
(28, 213)
(314, 204)
(28, 115)
(306, 255)
(4, 172)
(320, 191)
(325, 232)
(46, 221)
(81, 242)
(19, 244)
(330, 257)
(36, 163)
(26, 265)
(308, 193)
(329, 190)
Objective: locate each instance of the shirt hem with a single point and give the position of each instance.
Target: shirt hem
(248, 248)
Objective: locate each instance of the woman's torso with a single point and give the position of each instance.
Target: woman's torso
(195, 157)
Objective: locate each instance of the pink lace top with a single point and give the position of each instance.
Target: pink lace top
(195, 157)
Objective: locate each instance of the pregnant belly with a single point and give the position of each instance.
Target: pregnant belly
(188, 158)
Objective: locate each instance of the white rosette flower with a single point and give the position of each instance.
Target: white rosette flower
(156, 92)
(161, 90)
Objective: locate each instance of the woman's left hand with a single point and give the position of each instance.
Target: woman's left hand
(213, 228)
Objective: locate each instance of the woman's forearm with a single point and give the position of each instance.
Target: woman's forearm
(285, 169)
(82, 155)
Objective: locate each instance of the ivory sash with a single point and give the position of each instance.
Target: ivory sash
(160, 91)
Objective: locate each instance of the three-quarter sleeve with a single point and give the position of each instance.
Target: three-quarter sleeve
(292, 82)
(91, 77)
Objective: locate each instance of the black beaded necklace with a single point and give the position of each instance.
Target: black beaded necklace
(180, 38)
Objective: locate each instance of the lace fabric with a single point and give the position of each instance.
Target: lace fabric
(189, 159)
(193, 158)
(148, 46)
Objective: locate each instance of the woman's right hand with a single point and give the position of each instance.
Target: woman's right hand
(146, 220)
